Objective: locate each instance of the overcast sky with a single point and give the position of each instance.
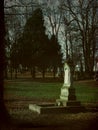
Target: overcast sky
(12, 2)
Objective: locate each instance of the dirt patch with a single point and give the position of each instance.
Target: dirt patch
(25, 120)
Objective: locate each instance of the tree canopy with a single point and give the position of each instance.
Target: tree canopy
(34, 46)
(72, 23)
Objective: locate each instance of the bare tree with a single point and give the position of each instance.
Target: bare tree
(53, 17)
(84, 13)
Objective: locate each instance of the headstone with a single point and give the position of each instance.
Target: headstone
(67, 83)
(66, 103)
(67, 95)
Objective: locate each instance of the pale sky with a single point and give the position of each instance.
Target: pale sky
(49, 2)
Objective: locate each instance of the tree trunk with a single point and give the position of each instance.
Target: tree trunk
(33, 72)
(88, 59)
(11, 72)
(66, 44)
(54, 72)
(71, 46)
(5, 73)
(3, 112)
(15, 73)
(43, 73)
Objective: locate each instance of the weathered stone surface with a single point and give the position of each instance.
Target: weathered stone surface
(53, 109)
(66, 103)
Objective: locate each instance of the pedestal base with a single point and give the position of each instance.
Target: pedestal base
(67, 97)
(66, 104)
(61, 102)
(53, 109)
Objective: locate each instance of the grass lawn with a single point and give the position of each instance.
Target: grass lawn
(18, 94)
(85, 91)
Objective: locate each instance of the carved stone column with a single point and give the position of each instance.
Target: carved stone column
(67, 95)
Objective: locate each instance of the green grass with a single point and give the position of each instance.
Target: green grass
(20, 113)
(34, 90)
(85, 92)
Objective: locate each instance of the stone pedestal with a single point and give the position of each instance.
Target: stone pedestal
(67, 97)
(66, 103)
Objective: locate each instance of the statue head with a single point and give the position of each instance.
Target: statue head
(68, 61)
